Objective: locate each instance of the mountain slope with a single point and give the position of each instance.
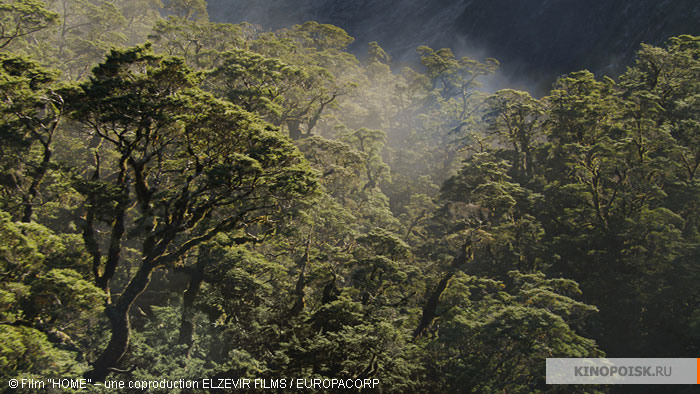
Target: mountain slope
(535, 40)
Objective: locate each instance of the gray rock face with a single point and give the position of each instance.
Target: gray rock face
(535, 40)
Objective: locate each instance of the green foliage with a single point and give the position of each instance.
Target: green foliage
(258, 84)
(514, 118)
(19, 18)
(493, 337)
(230, 202)
(319, 36)
(201, 43)
(30, 113)
(27, 352)
(188, 9)
(454, 77)
(45, 311)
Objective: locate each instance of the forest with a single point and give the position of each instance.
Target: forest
(185, 199)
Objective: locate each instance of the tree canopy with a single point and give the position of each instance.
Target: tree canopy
(188, 199)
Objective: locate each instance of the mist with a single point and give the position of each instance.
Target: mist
(535, 41)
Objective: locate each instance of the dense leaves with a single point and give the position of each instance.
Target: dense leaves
(228, 202)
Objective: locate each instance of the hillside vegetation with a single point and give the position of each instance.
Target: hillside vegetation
(184, 199)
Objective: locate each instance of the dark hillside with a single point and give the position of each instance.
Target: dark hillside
(535, 40)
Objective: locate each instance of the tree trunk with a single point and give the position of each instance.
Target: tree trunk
(118, 315)
(187, 318)
(431, 305)
(115, 246)
(294, 127)
(299, 292)
(28, 198)
(430, 308)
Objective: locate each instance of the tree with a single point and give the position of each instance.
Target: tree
(190, 166)
(46, 305)
(451, 76)
(447, 108)
(141, 16)
(184, 10)
(87, 30)
(19, 18)
(259, 84)
(514, 119)
(493, 336)
(30, 112)
(481, 227)
(295, 97)
(609, 178)
(200, 42)
(330, 72)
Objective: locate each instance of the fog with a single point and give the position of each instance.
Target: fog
(535, 41)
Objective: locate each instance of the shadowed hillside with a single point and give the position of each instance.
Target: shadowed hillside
(535, 40)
